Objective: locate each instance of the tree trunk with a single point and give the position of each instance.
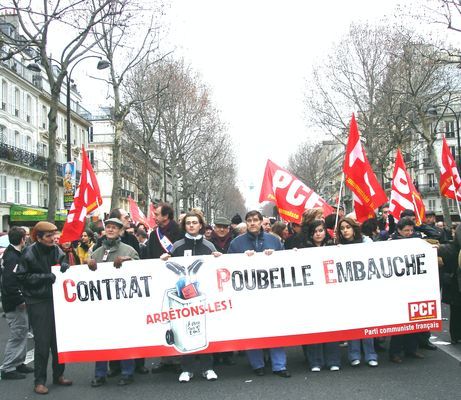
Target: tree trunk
(51, 169)
(116, 163)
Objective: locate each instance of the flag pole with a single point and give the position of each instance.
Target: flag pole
(416, 208)
(456, 195)
(339, 200)
(99, 209)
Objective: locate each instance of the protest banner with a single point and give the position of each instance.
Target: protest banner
(235, 302)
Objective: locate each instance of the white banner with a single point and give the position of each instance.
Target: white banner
(236, 302)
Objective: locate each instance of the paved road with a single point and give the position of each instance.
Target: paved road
(436, 377)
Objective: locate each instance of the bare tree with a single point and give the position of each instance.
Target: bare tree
(120, 42)
(38, 22)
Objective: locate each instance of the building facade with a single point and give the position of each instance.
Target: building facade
(24, 106)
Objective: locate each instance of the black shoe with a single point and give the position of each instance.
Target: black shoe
(428, 346)
(142, 370)
(12, 375)
(113, 372)
(259, 371)
(24, 369)
(125, 380)
(283, 373)
(98, 381)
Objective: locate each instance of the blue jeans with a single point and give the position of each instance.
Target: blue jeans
(278, 358)
(323, 354)
(369, 352)
(127, 366)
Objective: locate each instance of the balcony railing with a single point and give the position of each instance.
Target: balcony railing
(428, 188)
(26, 158)
(126, 193)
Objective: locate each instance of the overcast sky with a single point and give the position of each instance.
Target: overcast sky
(255, 55)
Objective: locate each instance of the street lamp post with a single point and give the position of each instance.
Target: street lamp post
(102, 64)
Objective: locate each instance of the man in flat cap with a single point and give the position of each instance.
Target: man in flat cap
(36, 280)
(113, 250)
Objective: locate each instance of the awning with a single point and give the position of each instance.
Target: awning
(20, 213)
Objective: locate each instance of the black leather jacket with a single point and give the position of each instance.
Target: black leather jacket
(34, 271)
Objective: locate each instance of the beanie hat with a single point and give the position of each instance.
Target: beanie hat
(236, 219)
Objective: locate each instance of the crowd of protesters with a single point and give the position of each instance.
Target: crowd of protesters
(26, 283)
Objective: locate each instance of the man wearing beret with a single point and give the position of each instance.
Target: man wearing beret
(36, 280)
(113, 250)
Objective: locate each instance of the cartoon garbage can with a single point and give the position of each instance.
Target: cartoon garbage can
(187, 334)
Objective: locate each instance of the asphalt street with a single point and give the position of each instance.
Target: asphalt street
(438, 376)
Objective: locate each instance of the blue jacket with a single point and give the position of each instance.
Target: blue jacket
(259, 243)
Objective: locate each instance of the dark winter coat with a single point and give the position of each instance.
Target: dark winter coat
(154, 248)
(11, 292)
(196, 247)
(34, 271)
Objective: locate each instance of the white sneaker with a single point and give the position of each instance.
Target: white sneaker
(210, 375)
(355, 363)
(315, 369)
(185, 376)
(373, 363)
(334, 368)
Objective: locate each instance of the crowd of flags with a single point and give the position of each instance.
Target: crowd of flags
(290, 195)
(368, 195)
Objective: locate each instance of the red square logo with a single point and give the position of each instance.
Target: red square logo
(422, 310)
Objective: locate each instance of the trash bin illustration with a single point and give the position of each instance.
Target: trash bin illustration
(188, 333)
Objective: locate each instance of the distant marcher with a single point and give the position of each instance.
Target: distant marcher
(14, 306)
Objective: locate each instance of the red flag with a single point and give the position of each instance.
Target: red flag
(87, 198)
(360, 178)
(450, 182)
(290, 195)
(151, 219)
(92, 193)
(404, 195)
(136, 214)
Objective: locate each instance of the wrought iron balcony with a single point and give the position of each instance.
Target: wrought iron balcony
(26, 158)
(23, 157)
(431, 188)
(126, 193)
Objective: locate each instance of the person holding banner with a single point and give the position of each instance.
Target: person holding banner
(36, 280)
(321, 354)
(405, 229)
(348, 232)
(255, 240)
(113, 250)
(194, 244)
(161, 241)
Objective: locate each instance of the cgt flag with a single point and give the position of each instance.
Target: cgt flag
(87, 199)
(289, 194)
(450, 182)
(404, 195)
(360, 178)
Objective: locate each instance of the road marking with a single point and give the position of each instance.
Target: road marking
(448, 348)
